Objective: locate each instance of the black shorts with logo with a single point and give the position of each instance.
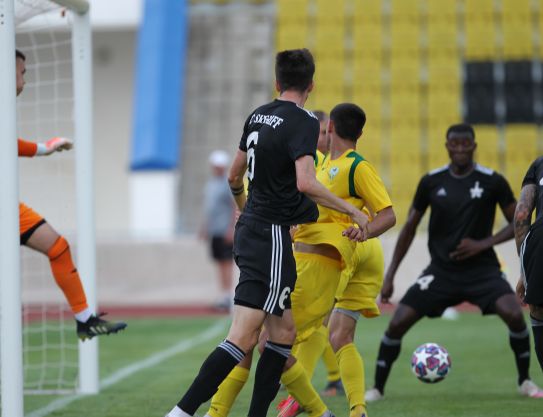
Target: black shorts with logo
(263, 254)
(436, 289)
(531, 259)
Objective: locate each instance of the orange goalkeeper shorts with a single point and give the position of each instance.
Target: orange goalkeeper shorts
(29, 221)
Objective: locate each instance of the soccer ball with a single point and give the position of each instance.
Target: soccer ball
(430, 363)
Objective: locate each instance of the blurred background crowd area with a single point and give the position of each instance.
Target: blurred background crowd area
(415, 66)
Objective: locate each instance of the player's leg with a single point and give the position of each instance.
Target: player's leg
(310, 351)
(272, 361)
(532, 267)
(493, 294)
(403, 319)
(242, 337)
(536, 316)
(221, 252)
(312, 299)
(37, 234)
(222, 401)
(508, 309)
(342, 329)
(47, 241)
(334, 386)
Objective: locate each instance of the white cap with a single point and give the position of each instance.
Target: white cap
(219, 158)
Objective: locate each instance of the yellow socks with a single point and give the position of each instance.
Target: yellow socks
(299, 386)
(309, 351)
(222, 401)
(351, 369)
(330, 362)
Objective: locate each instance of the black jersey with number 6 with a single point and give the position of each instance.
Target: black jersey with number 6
(274, 136)
(461, 207)
(535, 176)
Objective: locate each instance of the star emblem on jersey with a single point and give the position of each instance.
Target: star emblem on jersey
(541, 181)
(476, 191)
(333, 172)
(441, 192)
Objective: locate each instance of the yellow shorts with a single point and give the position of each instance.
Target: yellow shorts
(359, 292)
(313, 295)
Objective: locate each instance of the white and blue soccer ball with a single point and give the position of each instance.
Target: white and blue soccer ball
(430, 363)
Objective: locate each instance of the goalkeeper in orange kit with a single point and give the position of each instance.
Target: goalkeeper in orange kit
(37, 234)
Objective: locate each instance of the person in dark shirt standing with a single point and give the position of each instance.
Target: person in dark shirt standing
(277, 150)
(529, 239)
(464, 267)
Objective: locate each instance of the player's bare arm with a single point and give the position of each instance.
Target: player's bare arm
(405, 238)
(471, 247)
(235, 178)
(522, 222)
(523, 213)
(307, 183)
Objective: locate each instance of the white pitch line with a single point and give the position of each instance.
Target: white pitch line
(129, 370)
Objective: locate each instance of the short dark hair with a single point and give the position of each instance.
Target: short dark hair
(460, 128)
(349, 120)
(294, 69)
(19, 54)
(321, 115)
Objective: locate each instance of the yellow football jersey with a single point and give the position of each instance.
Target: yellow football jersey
(353, 179)
(319, 159)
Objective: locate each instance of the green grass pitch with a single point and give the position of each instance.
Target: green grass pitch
(482, 381)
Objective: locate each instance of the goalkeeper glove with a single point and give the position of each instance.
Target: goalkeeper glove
(54, 145)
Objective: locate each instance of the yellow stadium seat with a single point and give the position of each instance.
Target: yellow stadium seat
(445, 104)
(442, 10)
(479, 10)
(481, 41)
(291, 40)
(330, 10)
(517, 9)
(520, 151)
(518, 42)
(487, 152)
(405, 10)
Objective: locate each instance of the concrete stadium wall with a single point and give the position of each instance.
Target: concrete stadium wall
(177, 273)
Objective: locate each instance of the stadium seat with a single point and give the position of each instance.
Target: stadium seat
(330, 11)
(518, 42)
(521, 148)
(487, 152)
(480, 40)
(442, 11)
(480, 10)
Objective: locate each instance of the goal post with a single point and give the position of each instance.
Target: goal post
(84, 173)
(10, 282)
(11, 346)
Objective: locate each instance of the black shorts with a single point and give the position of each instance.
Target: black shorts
(220, 249)
(531, 260)
(435, 290)
(263, 253)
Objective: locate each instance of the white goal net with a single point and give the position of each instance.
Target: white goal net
(47, 33)
(45, 110)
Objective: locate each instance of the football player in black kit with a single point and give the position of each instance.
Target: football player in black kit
(277, 149)
(464, 267)
(529, 239)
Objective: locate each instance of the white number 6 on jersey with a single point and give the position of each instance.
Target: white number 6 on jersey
(252, 140)
(424, 281)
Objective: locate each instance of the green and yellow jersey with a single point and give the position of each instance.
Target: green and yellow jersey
(353, 179)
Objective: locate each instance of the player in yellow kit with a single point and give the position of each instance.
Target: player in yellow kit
(346, 174)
